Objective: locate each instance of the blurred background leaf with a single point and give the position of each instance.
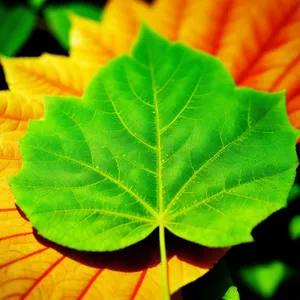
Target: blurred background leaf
(232, 294)
(17, 24)
(294, 228)
(57, 18)
(265, 279)
(294, 193)
(36, 4)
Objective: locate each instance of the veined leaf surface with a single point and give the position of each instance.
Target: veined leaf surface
(258, 41)
(30, 265)
(46, 75)
(15, 111)
(97, 43)
(32, 268)
(161, 139)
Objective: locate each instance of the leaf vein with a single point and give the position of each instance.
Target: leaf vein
(226, 191)
(178, 194)
(94, 210)
(185, 106)
(124, 124)
(110, 178)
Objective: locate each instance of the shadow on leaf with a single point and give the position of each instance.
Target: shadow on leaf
(142, 255)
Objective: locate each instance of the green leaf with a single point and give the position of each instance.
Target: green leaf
(36, 4)
(265, 279)
(17, 23)
(160, 139)
(57, 18)
(294, 193)
(294, 228)
(232, 294)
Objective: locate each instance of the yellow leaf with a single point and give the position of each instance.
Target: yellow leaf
(97, 43)
(15, 111)
(46, 75)
(33, 268)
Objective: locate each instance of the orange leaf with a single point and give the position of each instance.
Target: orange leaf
(97, 43)
(46, 75)
(15, 111)
(258, 41)
(33, 268)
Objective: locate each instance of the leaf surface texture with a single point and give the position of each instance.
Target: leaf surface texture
(46, 75)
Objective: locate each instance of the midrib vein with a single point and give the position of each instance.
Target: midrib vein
(53, 82)
(158, 144)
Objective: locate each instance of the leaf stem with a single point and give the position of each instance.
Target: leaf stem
(162, 242)
(164, 265)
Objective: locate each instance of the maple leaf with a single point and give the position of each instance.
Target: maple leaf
(258, 41)
(32, 78)
(30, 264)
(141, 151)
(21, 248)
